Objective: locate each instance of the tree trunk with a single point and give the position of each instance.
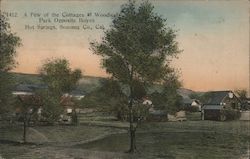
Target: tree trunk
(24, 130)
(75, 117)
(132, 128)
(132, 139)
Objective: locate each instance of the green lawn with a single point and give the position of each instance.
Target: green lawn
(189, 140)
(177, 140)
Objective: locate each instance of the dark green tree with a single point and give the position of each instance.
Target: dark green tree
(109, 97)
(8, 45)
(60, 79)
(137, 47)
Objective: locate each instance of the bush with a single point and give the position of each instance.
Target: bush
(140, 112)
(230, 114)
(191, 109)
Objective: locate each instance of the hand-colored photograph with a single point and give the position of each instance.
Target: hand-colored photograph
(127, 79)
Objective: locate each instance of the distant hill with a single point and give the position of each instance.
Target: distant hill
(23, 78)
(86, 84)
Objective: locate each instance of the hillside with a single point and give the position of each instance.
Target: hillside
(87, 83)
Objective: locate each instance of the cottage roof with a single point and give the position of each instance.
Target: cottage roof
(216, 97)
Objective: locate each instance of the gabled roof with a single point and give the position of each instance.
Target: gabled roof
(216, 97)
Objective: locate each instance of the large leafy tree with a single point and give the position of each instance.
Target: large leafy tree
(8, 45)
(60, 79)
(138, 47)
(58, 76)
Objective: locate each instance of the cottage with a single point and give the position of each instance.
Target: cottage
(217, 102)
(27, 92)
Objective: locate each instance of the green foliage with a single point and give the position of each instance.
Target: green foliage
(59, 77)
(230, 114)
(109, 97)
(137, 45)
(52, 108)
(140, 111)
(27, 108)
(242, 94)
(22, 78)
(168, 99)
(137, 48)
(6, 98)
(191, 108)
(8, 44)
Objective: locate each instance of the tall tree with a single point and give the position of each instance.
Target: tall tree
(60, 79)
(8, 45)
(137, 47)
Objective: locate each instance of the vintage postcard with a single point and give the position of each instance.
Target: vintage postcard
(109, 79)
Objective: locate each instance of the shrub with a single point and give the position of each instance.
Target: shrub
(230, 114)
(191, 109)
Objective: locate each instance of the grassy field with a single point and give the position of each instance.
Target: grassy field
(177, 140)
(187, 140)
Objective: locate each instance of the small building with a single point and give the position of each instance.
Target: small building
(217, 102)
(191, 104)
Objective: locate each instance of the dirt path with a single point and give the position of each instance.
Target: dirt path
(41, 135)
